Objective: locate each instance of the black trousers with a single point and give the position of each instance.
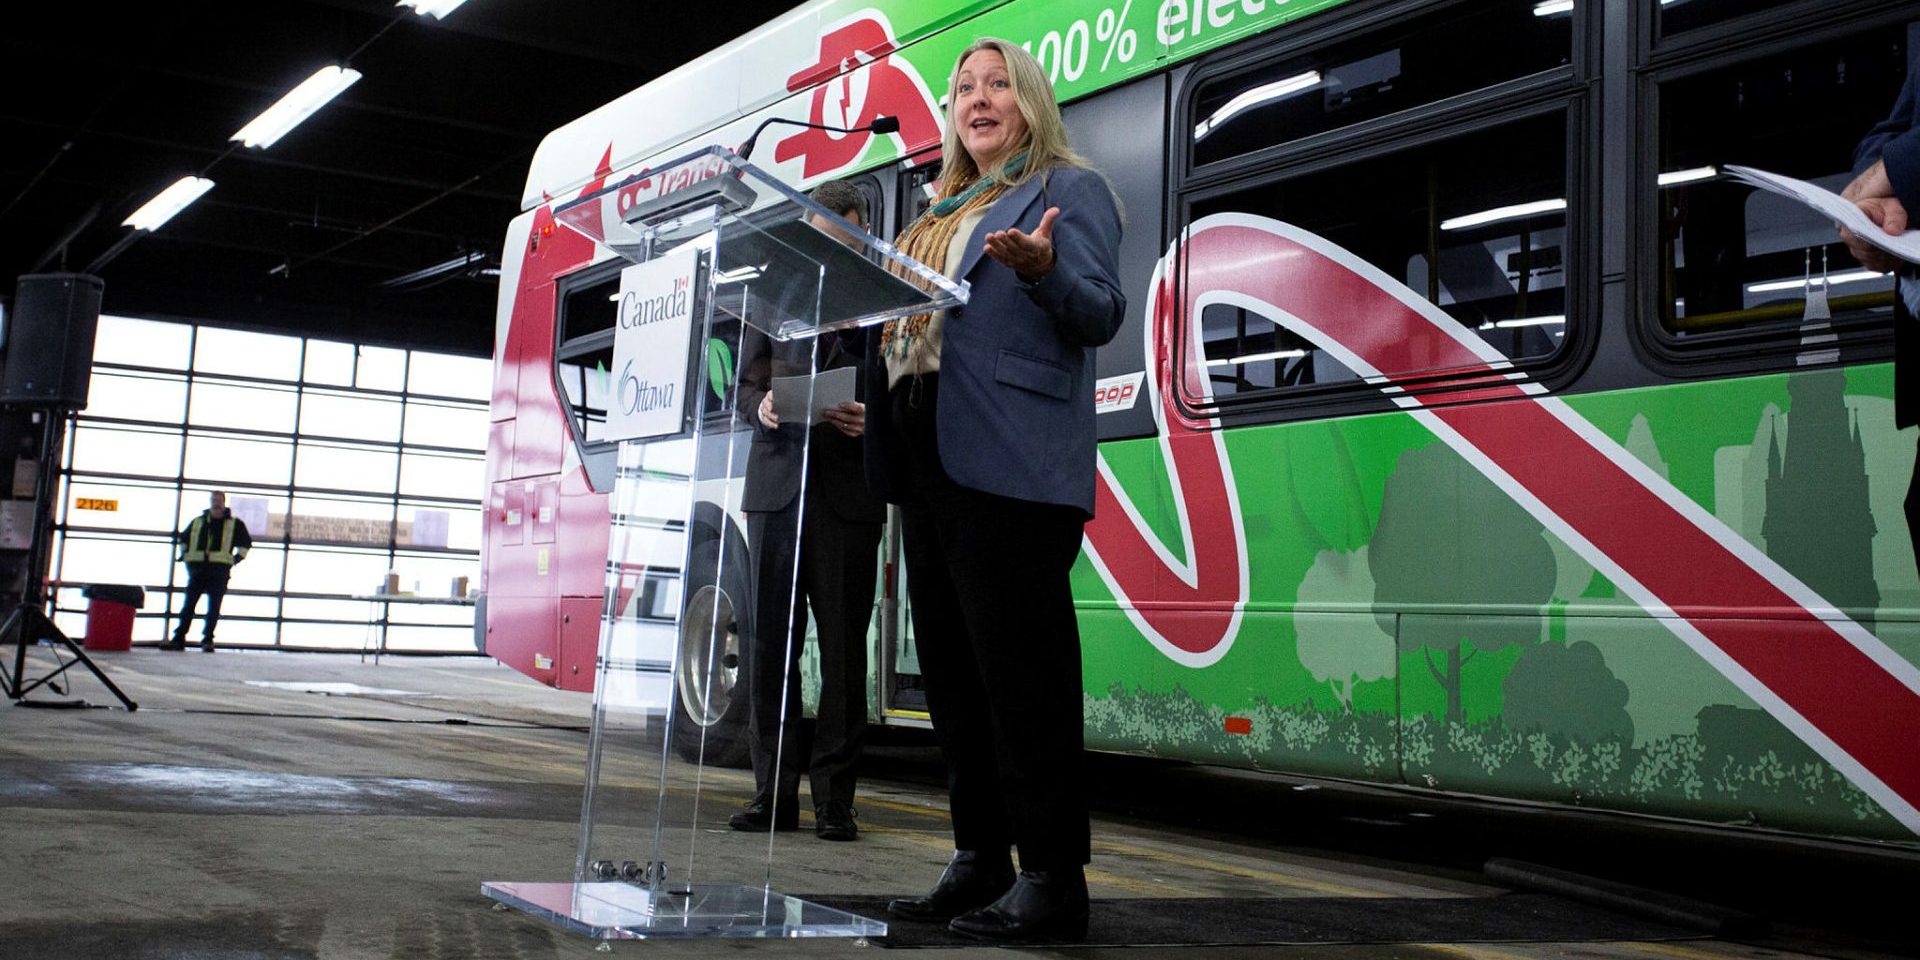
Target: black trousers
(838, 564)
(209, 579)
(999, 650)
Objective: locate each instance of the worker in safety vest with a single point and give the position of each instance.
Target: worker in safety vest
(210, 545)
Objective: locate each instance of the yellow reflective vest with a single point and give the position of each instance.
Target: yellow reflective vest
(226, 543)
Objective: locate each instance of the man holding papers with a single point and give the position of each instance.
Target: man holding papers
(1885, 187)
(838, 563)
(1886, 181)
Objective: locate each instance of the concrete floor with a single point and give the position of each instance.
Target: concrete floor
(229, 818)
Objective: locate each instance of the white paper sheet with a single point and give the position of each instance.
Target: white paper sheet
(1906, 246)
(830, 389)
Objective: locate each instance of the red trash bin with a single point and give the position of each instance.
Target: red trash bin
(110, 610)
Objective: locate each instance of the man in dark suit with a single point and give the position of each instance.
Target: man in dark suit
(1886, 185)
(839, 539)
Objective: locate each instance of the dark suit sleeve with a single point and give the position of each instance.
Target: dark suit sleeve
(756, 375)
(1896, 140)
(1081, 292)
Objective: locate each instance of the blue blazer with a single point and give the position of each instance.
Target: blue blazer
(1016, 363)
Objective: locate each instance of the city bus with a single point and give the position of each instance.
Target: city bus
(1472, 431)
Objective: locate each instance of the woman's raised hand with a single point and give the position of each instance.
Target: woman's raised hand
(1030, 255)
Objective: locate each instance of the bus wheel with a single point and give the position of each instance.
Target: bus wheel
(712, 724)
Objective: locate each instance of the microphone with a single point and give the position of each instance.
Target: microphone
(882, 124)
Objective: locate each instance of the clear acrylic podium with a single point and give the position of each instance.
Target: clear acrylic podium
(655, 856)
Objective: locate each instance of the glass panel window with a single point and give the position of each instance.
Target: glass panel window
(142, 343)
(134, 450)
(246, 353)
(1676, 16)
(1475, 224)
(1417, 61)
(342, 467)
(342, 572)
(1736, 258)
(330, 362)
(327, 636)
(381, 368)
(433, 576)
(425, 475)
(448, 638)
(447, 425)
(217, 404)
(216, 459)
(342, 521)
(236, 631)
(328, 413)
(142, 561)
(916, 191)
(308, 608)
(236, 604)
(590, 309)
(446, 375)
(121, 505)
(158, 397)
(456, 528)
(259, 571)
(586, 381)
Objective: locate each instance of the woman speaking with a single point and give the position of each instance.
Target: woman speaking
(985, 439)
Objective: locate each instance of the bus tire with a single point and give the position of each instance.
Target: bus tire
(710, 725)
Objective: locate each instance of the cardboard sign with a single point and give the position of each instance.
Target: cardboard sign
(649, 390)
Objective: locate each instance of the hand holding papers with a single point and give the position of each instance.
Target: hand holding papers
(1906, 246)
(831, 388)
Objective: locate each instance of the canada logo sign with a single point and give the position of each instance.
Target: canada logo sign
(863, 80)
(1674, 558)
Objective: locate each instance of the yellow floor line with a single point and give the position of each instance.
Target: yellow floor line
(1235, 870)
(1679, 952)
(1475, 951)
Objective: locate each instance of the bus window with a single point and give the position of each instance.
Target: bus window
(587, 314)
(1475, 223)
(1422, 60)
(916, 192)
(1733, 258)
(1678, 16)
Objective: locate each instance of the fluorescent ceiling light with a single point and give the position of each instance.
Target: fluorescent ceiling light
(299, 104)
(738, 274)
(1503, 213)
(1852, 276)
(1550, 8)
(437, 9)
(1676, 177)
(1264, 93)
(170, 201)
(1531, 322)
(1257, 357)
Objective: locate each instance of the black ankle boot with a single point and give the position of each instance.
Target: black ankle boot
(972, 879)
(1043, 905)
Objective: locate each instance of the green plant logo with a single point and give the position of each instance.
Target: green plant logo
(719, 366)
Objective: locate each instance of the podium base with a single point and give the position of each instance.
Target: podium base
(615, 910)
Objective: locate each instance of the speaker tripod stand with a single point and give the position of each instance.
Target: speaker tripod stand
(28, 625)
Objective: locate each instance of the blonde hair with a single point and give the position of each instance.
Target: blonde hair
(1046, 142)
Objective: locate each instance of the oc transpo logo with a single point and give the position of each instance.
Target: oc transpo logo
(863, 80)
